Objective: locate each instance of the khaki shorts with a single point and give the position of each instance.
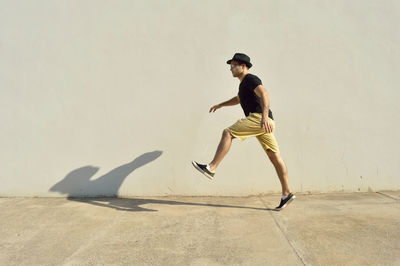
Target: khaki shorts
(250, 126)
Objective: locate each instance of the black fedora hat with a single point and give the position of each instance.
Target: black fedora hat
(242, 58)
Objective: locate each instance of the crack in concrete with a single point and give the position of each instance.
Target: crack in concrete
(291, 242)
(386, 195)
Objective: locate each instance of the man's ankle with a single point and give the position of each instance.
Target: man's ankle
(212, 167)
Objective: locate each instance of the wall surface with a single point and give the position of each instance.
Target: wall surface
(112, 97)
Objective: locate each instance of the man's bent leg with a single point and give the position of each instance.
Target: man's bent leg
(222, 149)
(241, 129)
(281, 170)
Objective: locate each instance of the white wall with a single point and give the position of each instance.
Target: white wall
(112, 97)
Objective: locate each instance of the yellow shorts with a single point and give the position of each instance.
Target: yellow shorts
(250, 126)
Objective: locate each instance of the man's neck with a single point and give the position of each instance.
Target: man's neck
(242, 75)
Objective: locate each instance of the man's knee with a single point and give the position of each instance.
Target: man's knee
(226, 133)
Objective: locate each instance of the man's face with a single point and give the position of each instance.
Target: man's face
(237, 68)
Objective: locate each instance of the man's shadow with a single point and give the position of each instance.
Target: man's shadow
(78, 184)
(103, 191)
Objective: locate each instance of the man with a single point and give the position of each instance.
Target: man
(259, 122)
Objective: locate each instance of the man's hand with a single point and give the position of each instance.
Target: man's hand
(265, 123)
(214, 108)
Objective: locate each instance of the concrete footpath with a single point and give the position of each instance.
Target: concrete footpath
(315, 229)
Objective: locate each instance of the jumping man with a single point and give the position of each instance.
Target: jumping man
(258, 122)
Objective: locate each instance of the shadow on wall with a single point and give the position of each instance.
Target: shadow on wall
(78, 187)
(78, 183)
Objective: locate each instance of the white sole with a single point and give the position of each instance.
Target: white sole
(289, 201)
(201, 171)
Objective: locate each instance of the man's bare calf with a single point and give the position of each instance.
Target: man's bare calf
(281, 170)
(223, 148)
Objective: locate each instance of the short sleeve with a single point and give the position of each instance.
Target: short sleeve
(254, 81)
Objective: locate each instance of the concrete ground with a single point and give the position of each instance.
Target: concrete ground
(315, 229)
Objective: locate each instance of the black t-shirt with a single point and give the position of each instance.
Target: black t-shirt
(249, 100)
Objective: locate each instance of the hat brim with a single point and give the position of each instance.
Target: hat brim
(247, 63)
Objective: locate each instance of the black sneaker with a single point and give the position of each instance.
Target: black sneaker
(203, 169)
(286, 201)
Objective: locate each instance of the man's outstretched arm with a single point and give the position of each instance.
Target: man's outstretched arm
(235, 100)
